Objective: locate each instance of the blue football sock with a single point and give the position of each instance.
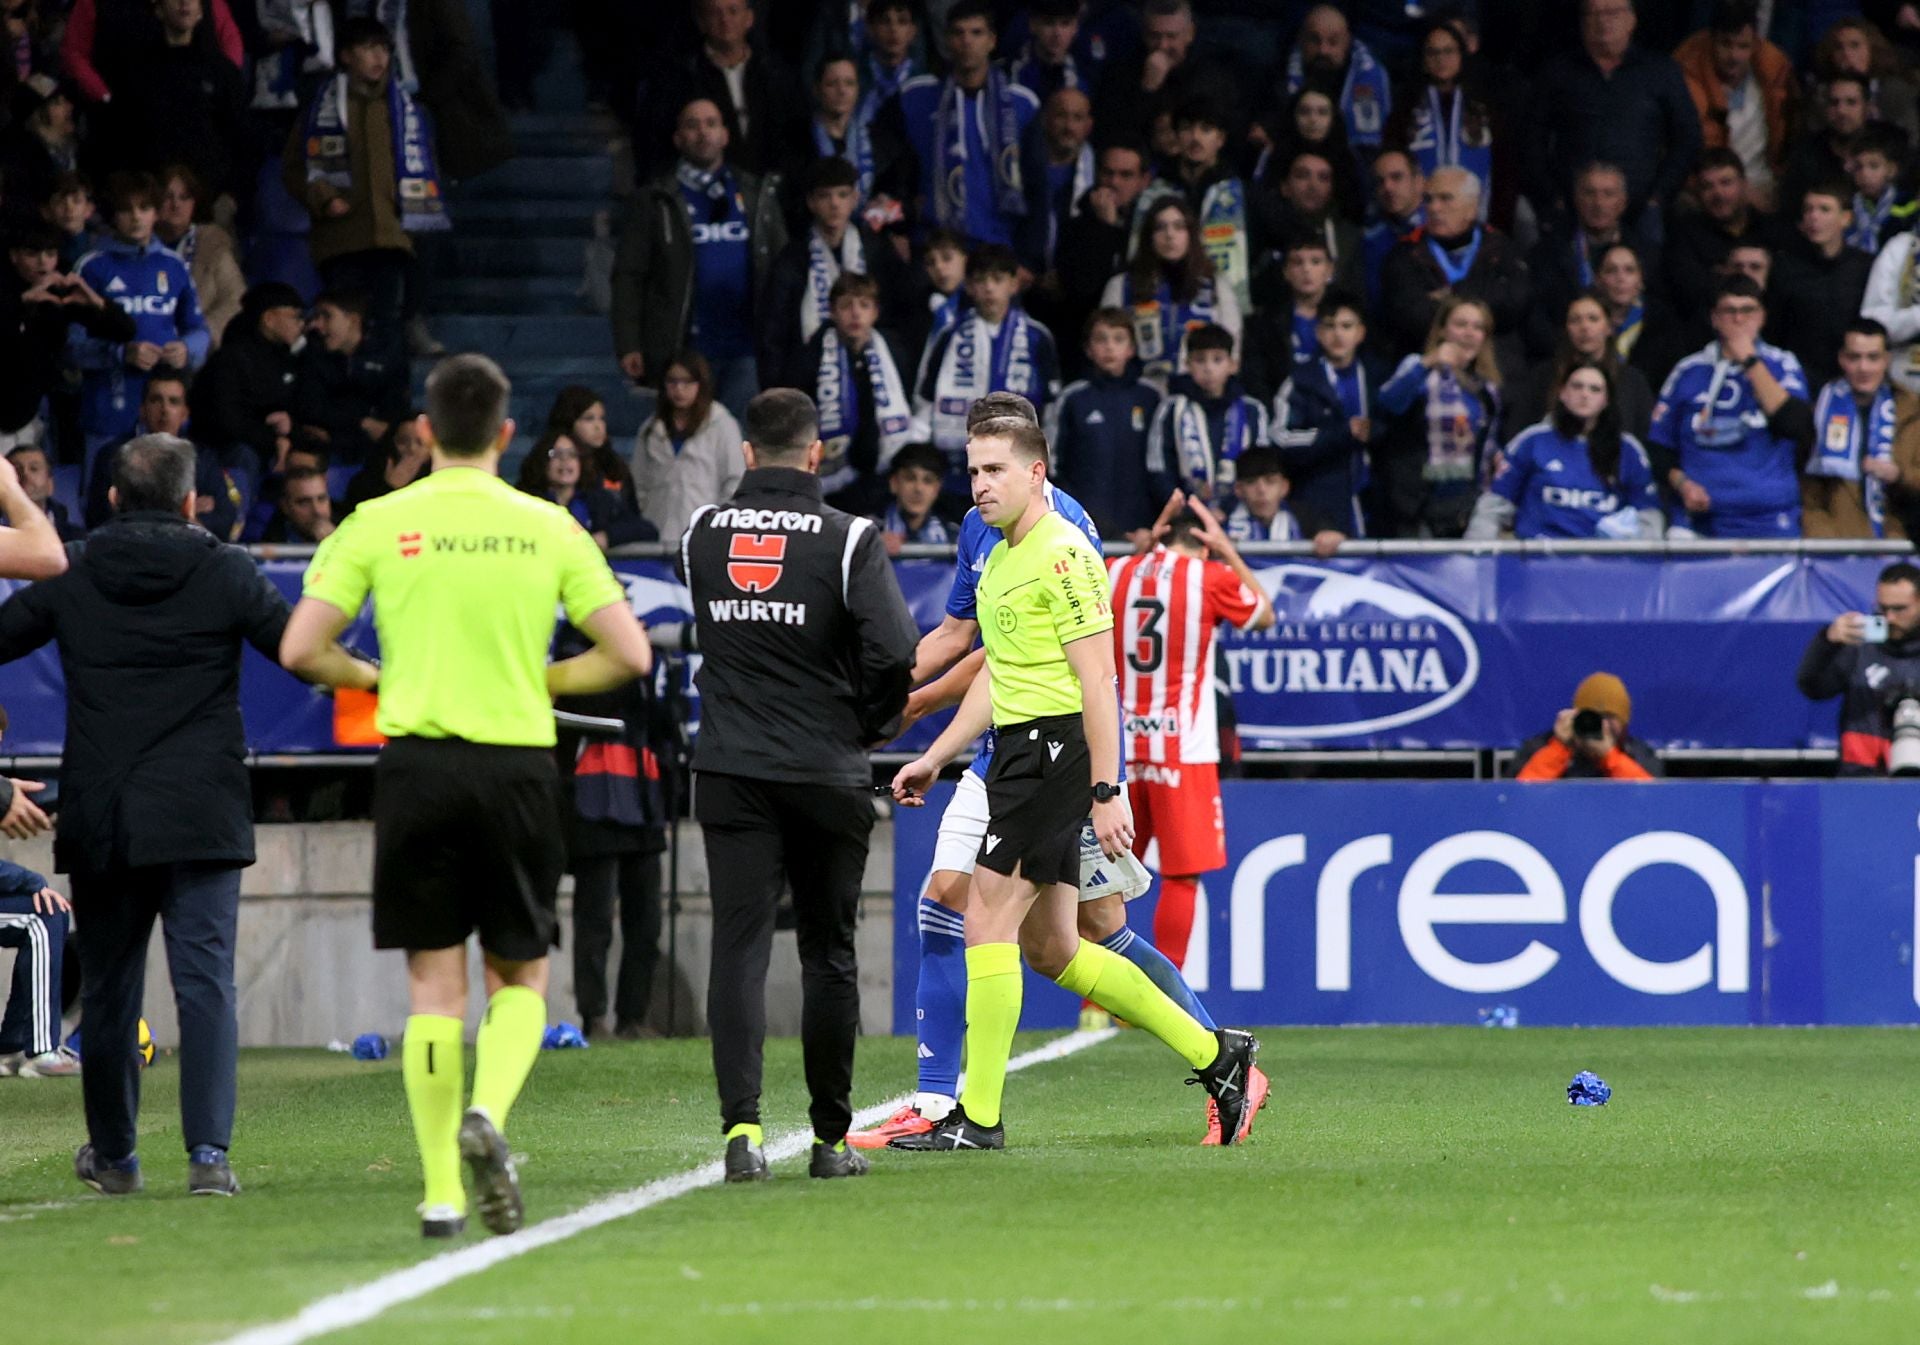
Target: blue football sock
(940, 1002)
(1160, 971)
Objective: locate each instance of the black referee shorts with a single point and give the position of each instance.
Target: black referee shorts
(1037, 797)
(467, 837)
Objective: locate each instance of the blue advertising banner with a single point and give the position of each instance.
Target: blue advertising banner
(1421, 651)
(1575, 903)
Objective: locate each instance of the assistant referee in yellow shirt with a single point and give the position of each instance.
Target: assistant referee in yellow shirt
(466, 573)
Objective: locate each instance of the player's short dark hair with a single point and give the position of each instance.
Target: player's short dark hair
(992, 259)
(1720, 157)
(1001, 406)
(1866, 327)
(1209, 336)
(153, 472)
(1901, 572)
(1838, 188)
(1109, 317)
(1258, 461)
(1738, 287)
(347, 301)
(23, 449)
(303, 473)
(923, 456)
(830, 172)
(467, 399)
(1023, 436)
(972, 9)
(1335, 301)
(945, 239)
(851, 283)
(782, 425)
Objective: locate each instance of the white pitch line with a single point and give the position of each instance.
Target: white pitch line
(351, 1307)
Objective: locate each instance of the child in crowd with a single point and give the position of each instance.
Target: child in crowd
(995, 347)
(69, 208)
(1308, 269)
(1260, 512)
(1098, 433)
(944, 262)
(865, 414)
(1206, 423)
(918, 512)
(1322, 420)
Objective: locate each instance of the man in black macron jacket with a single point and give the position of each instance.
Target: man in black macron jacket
(808, 650)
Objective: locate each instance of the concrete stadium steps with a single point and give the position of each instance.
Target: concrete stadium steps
(474, 256)
(522, 217)
(563, 133)
(515, 337)
(520, 296)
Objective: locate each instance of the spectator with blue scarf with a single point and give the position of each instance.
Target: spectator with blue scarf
(361, 158)
(1323, 418)
(1863, 477)
(954, 144)
(1204, 425)
(1566, 261)
(1327, 50)
(1170, 289)
(1442, 414)
(1047, 64)
(1576, 474)
(1454, 257)
(1733, 425)
(1217, 195)
(1399, 183)
(835, 132)
(866, 414)
(1448, 121)
(1880, 208)
(553, 470)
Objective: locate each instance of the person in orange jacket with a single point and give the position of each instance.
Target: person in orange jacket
(1589, 740)
(1744, 90)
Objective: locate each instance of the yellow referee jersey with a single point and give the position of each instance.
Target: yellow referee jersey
(466, 575)
(1034, 600)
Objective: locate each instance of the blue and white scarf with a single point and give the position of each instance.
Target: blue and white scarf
(1457, 424)
(1455, 272)
(858, 151)
(1843, 438)
(1242, 526)
(933, 530)
(416, 181)
(976, 362)
(1207, 468)
(1366, 98)
(1160, 324)
(1869, 219)
(882, 84)
(823, 268)
(1026, 71)
(1224, 229)
(1000, 132)
(838, 403)
(1443, 138)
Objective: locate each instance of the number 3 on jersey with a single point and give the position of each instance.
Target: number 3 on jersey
(1147, 642)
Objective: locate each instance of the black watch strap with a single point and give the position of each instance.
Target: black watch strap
(1105, 793)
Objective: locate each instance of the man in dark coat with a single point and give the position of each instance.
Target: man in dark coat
(1453, 253)
(150, 617)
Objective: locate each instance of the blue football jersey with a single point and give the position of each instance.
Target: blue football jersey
(1556, 493)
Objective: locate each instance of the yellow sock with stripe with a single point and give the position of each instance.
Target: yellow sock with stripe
(431, 1063)
(505, 1048)
(993, 1012)
(1125, 991)
(755, 1135)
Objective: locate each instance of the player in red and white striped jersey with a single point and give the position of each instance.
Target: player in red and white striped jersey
(1167, 605)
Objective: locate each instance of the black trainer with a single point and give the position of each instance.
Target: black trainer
(209, 1174)
(746, 1161)
(105, 1177)
(1228, 1081)
(842, 1160)
(441, 1221)
(496, 1186)
(955, 1132)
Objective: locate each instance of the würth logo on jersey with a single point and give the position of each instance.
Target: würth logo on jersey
(409, 543)
(754, 560)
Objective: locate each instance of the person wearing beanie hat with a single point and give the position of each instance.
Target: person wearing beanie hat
(1589, 740)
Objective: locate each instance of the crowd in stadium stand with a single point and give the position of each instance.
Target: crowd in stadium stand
(1466, 269)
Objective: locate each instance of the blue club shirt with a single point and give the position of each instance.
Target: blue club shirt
(1550, 481)
(1708, 416)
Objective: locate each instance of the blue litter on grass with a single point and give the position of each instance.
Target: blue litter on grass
(1588, 1090)
(369, 1046)
(563, 1037)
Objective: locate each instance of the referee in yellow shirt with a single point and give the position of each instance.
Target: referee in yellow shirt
(466, 573)
(1048, 692)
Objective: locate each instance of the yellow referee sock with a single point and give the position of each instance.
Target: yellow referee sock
(993, 1012)
(1123, 990)
(431, 1064)
(505, 1048)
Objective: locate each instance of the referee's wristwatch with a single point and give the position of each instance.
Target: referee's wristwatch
(1105, 793)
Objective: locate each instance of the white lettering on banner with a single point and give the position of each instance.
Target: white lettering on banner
(1422, 906)
(764, 520)
(1543, 901)
(1247, 907)
(1271, 671)
(1694, 970)
(757, 609)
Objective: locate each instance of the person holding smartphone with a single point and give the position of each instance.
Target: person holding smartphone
(1589, 739)
(1872, 661)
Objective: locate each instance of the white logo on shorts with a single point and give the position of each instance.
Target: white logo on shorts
(1053, 751)
(992, 841)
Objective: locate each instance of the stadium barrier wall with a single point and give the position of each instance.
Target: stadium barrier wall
(1594, 903)
(1402, 647)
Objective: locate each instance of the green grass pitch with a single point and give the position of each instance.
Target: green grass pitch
(1403, 1185)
